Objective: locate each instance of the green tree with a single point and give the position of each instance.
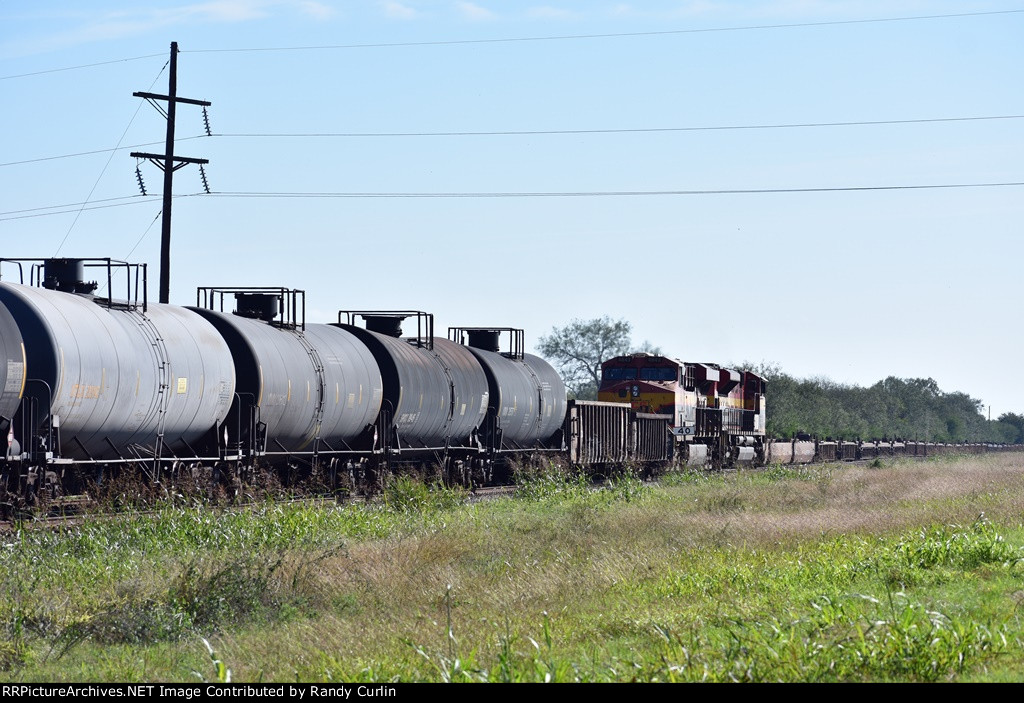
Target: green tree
(578, 349)
(913, 408)
(1016, 421)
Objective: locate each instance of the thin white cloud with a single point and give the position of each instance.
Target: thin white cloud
(87, 28)
(475, 12)
(740, 10)
(696, 8)
(691, 8)
(398, 11)
(244, 10)
(548, 12)
(316, 10)
(216, 11)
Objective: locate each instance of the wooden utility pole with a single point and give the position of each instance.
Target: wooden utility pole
(169, 163)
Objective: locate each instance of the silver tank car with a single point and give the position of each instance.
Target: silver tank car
(12, 370)
(527, 396)
(316, 384)
(435, 390)
(116, 380)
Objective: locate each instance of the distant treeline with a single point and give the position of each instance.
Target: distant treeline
(906, 408)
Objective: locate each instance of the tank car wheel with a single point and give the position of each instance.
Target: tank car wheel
(481, 472)
(367, 479)
(30, 493)
(218, 475)
(462, 473)
(340, 478)
(30, 499)
(52, 486)
(347, 481)
(173, 475)
(377, 476)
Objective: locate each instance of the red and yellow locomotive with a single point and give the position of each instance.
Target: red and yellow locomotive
(718, 414)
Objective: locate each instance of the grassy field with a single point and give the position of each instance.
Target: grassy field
(909, 571)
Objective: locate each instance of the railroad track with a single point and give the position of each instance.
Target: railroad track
(71, 510)
(67, 511)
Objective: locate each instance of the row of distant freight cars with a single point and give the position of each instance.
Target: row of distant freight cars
(806, 451)
(611, 434)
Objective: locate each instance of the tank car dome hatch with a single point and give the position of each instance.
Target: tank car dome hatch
(390, 325)
(67, 276)
(257, 306)
(488, 340)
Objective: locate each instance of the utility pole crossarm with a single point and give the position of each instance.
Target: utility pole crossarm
(190, 101)
(159, 158)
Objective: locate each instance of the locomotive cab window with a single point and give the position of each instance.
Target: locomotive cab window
(620, 374)
(657, 373)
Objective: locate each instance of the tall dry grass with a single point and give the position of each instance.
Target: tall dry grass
(563, 583)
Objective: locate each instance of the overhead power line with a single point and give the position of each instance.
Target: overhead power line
(137, 243)
(138, 199)
(562, 37)
(75, 68)
(68, 208)
(629, 130)
(67, 205)
(90, 153)
(535, 132)
(610, 193)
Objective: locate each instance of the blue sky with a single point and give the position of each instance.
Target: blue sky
(854, 285)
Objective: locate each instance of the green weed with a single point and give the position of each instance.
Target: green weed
(548, 484)
(222, 674)
(408, 494)
(859, 576)
(688, 476)
(895, 639)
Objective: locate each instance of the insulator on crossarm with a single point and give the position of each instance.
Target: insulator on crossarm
(206, 123)
(202, 174)
(138, 177)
